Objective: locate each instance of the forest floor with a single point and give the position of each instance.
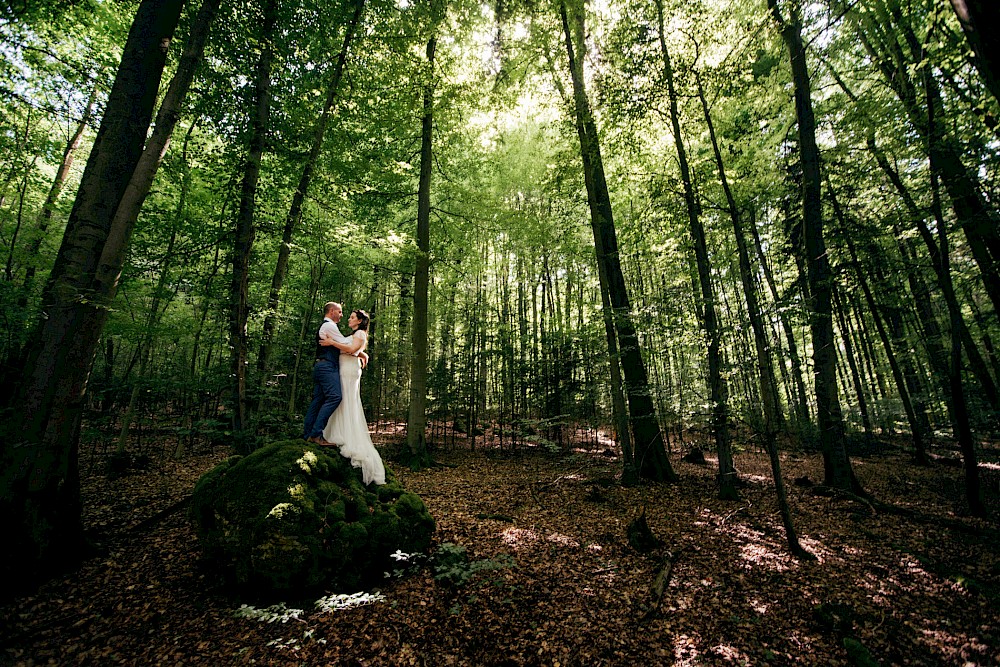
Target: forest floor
(922, 589)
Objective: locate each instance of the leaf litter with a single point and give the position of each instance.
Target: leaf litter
(915, 589)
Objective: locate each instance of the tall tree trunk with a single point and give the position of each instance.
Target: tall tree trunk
(648, 440)
(39, 487)
(979, 19)
(765, 365)
(717, 385)
(403, 322)
(960, 410)
(837, 466)
(245, 230)
(305, 179)
(416, 423)
(630, 472)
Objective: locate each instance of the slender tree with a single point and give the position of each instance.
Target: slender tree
(765, 364)
(58, 183)
(305, 180)
(416, 423)
(837, 466)
(245, 227)
(648, 439)
(717, 385)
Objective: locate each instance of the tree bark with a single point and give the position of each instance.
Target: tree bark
(837, 466)
(245, 229)
(717, 385)
(39, 488)
(648, 440)
(765, 364)
(416, 422)
(979, 19)
(305, 179)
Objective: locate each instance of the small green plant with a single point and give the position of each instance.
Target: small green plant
(347, 601)
(272, 614)
(449, 562)
(452, 566)
(282, 613)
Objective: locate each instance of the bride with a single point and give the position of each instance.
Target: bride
(347, 427)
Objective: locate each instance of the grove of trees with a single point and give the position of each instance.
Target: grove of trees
(685, 223)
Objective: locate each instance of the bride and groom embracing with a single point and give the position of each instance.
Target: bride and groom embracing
(336, 417)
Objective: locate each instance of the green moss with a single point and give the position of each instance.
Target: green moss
(292, 516)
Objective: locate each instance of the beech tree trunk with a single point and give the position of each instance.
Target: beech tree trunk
(717, 385)
(245, 229)
(765, 365)
(305, 179)
(837, 466)
(979, 19)
(416, 423)
(648, 440)
(39, 487)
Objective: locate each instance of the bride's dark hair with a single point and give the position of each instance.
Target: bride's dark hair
(363, 319)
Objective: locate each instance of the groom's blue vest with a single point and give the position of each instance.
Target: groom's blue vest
(328, 352)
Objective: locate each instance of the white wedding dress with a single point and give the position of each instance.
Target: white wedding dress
(347, 427)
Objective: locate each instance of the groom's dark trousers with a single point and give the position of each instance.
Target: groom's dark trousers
(326, 392)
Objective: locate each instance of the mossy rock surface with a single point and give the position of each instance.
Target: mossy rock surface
(293, 516)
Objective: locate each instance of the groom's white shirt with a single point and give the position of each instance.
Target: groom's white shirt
(330, 331)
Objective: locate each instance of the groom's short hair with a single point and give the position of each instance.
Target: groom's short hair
(329, 306)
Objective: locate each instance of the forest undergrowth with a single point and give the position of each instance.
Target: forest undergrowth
(552, 579)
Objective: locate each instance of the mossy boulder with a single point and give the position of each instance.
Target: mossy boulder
(293, 516)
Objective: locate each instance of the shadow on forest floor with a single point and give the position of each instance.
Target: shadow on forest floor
(893, 589)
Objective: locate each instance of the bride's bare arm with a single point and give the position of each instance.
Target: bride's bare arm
(352, 344)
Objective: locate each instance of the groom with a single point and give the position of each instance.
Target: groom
(326, 375)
